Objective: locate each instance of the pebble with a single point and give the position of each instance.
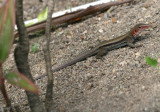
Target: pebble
(100, 30)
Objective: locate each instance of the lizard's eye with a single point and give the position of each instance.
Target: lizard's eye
(136, 30)
(139, 27)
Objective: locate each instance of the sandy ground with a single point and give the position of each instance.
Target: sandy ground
(119, 82)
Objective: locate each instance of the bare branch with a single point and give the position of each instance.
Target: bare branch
(46, 50)
(69, 17)
(21, 57)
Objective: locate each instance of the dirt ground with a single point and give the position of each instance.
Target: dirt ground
(119, 82)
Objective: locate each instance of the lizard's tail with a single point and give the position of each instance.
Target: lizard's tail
(80, 57)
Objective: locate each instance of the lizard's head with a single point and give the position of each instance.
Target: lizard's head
(138, 28)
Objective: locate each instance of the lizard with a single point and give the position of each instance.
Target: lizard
(105, 46)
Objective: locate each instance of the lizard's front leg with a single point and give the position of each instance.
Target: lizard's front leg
(130, 43)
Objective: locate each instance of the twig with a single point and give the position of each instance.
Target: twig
(69, 17)
(46, 49)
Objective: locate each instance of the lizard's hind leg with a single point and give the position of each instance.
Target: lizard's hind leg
(103, 51)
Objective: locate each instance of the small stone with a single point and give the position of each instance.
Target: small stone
(141, 20)
(89, 86)
(143, 87)
(123, 63)
(88, 76)
(138, 54)
(120, 92)
(146, 5)
(100, 30)
(85, 32)
(145, 109)
(69, 37)
(99, 19)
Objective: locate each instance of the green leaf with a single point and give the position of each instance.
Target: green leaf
(34, 48)
(152, 62)
(21, 81)
(7, 22)
(43, 15)
(29, 24)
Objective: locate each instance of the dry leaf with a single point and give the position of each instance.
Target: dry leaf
(114, 20)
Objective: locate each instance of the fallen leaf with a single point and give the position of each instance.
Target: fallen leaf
(114, 20)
